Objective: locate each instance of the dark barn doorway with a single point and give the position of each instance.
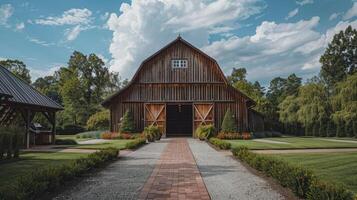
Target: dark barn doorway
(179, 120)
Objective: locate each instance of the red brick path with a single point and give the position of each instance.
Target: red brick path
(176, 175)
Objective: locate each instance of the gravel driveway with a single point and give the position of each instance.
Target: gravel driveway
(226, 178)
(122, 179)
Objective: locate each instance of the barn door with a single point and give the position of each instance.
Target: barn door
(203, 114)
(155, 114)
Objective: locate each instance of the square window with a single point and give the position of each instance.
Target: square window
(179, 63)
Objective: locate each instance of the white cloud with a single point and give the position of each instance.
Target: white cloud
(276, 49)
(304, 2)
(70, 17)
(104, 16)
(80, 19)
(145, 26)
(352, 12)
(40, 42)
(334, 16)
(6, 11)
(105, 60)
(20, 26)
(292, 13)
(42, 72)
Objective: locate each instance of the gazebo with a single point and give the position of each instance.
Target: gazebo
(19, 97)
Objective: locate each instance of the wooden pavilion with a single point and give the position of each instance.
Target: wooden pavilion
(19, 98)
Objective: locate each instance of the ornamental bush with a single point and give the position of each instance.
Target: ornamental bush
(33, 185)
(204, 132)
(152, 133)
(229, 124)
(127, 123)
(300, 180)
(99, 121)
(221, 144)
(65, 142)
(136, 143)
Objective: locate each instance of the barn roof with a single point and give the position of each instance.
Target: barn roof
(178, 39)
(20, 92)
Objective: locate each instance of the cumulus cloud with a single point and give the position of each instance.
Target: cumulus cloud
(334, 16)
(304, 2)
(276, 49)
(143, 27)
(78, 18)
(292, 13)
(352, 12)
(6, 11)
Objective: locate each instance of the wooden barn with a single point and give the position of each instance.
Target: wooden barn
(178, 88)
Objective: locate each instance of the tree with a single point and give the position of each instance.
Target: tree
(229, 124)
(48, 85)
(344, 102)
(127, 123)
(288, 113)
(18, 68)
(339, 58)
(238, 74)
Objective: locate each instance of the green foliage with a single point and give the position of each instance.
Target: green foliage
(339, 58)
(18, 68)
(300, 180)
(70, 129)
(65, 142)
(204, 132)
(135, 143)
(127, 123)
(229, 124)
(89, 134)
(10, 141)
(266, 134)
(99, 121)
(34, 184)
(152, 133)
(221, 144)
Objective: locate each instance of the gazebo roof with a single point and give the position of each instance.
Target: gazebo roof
(21, 93)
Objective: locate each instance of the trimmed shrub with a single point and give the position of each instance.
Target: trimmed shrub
(98, 121)
(90, 134)
(127, 123)
(221, 144)
(204, 132)
(229, 124)
(65, 142)
(135, 143)
(32, 185)
(300, 180)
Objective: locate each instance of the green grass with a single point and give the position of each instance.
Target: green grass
(30, 161)
(334, 167)
(73, 137)
(119, 144)
(294, 143)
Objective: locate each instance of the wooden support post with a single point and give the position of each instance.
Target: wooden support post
(27, 132)
(53, 116)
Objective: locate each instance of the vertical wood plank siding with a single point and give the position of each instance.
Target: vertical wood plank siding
(200, 82)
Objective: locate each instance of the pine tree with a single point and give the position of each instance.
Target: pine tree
(229, 125)
(127, 123)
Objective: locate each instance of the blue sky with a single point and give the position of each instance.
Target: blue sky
(269, 38)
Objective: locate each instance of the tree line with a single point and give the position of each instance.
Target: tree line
(325, 105)
(80, 87)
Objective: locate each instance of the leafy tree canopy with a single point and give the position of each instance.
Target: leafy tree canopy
(18, 68)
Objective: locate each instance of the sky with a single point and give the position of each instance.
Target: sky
(269, 38)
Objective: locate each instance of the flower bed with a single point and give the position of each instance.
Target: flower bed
(300, 180)
(33, 185)
(234, 136)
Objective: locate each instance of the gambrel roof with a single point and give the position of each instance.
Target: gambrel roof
(181, 40)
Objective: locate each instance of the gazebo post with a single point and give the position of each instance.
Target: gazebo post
(27, 131)
(53, 128)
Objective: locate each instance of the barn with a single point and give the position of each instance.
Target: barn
(178, 88)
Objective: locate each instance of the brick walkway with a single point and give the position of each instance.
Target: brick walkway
(176, 175)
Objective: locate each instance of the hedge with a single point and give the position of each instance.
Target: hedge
(300, 180)
(66, 142)
(204, 132)
(221, 144)
(34, 184)
(135, 143)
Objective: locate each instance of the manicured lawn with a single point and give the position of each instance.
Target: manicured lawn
(336, 167)
(294, 143)
(73, 137)
(119, 144)
(28, 162)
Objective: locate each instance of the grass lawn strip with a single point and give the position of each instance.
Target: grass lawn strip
(334, 167)
(293, 143)
(270, 141)
(29, 161)
(336, 140)
(119, 144)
